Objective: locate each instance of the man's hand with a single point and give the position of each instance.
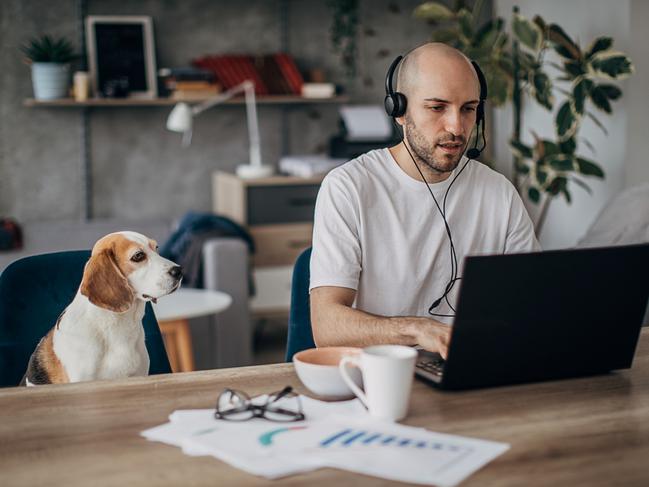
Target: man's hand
(433, 336)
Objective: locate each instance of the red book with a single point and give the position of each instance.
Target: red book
(289, 69)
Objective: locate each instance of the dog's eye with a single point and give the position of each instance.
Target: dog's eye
(138, 256)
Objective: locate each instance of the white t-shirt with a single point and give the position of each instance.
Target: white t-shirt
(378, 231)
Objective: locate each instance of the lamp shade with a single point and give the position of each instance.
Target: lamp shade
(180, 119)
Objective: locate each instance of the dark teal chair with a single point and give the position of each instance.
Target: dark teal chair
(300, 336)
(33, 293)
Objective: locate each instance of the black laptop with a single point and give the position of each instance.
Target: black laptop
(543, 316)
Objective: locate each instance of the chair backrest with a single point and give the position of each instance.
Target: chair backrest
(33, 293)
(300, 336)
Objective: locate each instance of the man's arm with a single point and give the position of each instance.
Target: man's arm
(336, 323)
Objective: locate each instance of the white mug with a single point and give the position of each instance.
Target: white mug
(387, 379)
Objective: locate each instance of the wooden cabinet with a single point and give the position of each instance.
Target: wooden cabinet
(278, 213)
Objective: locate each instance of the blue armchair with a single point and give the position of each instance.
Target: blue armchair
(33, 293)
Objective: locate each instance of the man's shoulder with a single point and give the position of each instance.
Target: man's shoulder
(358, 169)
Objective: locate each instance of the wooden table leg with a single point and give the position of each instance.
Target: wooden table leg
(178, 341)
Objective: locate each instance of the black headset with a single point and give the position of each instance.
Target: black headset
(395, 106)
(396, 102)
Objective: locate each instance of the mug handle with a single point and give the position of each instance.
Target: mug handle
(342, 366)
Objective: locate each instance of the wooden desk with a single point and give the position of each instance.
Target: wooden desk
(581, 432)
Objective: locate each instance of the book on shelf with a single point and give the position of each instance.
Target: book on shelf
(272, 74)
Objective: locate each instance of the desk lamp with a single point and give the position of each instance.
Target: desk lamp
(181, 120)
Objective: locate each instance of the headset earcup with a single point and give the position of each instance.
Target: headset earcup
(400, 104)
(388, 102)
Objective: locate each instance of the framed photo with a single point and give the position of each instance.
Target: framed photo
(121, 56)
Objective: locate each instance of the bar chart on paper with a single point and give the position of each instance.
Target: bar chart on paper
(352, 437)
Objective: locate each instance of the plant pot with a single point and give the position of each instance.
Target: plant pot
(50, 80)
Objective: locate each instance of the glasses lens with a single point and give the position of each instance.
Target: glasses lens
(233, 405)
(287, 408)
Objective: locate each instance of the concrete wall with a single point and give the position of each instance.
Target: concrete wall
(139, 169)
(619, 153)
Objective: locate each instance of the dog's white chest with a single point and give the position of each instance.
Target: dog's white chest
(102, 346)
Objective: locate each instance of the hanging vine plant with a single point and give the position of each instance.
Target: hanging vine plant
(344, 28)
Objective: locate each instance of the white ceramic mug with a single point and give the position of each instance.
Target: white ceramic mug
(387, 379)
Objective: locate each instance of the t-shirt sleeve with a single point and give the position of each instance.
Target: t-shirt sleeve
(520, 230)
(336, 255)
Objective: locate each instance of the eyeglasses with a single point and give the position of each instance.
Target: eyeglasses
(236, 405)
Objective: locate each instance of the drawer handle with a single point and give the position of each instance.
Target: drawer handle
(301, 201)
(299, 244)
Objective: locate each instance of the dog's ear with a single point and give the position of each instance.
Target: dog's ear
(104, 285)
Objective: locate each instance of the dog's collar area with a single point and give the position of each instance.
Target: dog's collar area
(149, 298)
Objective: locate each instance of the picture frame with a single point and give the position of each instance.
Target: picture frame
(121, 56)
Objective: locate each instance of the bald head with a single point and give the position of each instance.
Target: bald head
(424, 64)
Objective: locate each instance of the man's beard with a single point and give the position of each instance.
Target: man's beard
(424, 151)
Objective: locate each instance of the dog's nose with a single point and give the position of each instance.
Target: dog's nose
(176, 272)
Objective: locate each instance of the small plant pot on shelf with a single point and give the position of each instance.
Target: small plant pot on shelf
(50, 80)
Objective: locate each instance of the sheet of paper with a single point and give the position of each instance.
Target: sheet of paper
(366, 122)
(339, 435)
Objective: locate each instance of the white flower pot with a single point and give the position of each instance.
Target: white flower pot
(50, 80)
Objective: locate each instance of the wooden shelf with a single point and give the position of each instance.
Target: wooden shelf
(143, 102)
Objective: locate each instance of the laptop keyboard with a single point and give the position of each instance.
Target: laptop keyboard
(430, 365)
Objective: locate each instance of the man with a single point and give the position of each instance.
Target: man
(381, 251)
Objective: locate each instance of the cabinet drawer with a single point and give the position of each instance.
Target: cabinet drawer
(281, 204)
(278, 245)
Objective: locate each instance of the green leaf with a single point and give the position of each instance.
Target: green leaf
(527, 32)
(557, 185)
(612, 65)
(563, 44)
(568, 146)
(544, 148)
(446, 36)
(589, 168)
(600, 100)
(434, 11)
(561, 162)
(542, 88)
(534, 194)
(499, 84)
(466, 24)
(521, 149)
(541, 175)
(487, 34)
(574, 68)
(612, 92)
(566, 193)
(599, 44)
(579, 93)
(566, 121)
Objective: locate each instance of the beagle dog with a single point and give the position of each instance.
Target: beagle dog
(100, 334)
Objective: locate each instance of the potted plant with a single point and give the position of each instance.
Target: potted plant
(50, 60)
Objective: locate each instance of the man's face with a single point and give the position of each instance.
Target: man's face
(441, 114)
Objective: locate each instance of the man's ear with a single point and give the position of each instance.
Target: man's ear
(104, 285)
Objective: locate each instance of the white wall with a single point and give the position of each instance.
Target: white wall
(583, 20)
(637, 165)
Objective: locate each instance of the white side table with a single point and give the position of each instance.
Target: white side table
(174, 311)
